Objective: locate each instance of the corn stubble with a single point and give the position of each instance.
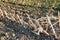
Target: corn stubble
(36, 25)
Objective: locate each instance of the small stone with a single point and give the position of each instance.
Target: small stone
(7, 35)
(17, 39)
(1, 24)
(13, 35)
(2, 38)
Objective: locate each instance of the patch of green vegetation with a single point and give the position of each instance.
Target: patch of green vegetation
(57, 8)
(2, 34)
(31, 7)
(34, 2)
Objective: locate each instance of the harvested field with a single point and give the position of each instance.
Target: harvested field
(29, 22)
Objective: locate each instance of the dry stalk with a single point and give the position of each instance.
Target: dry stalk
(1, 13)
(6, 14)
(20, 19)
(31, 22)
(36, 26)
(24, 37)
(59, 17)
(11, 17)
(51, 26)
(54, 23)
(44, 18)
(40, 28)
